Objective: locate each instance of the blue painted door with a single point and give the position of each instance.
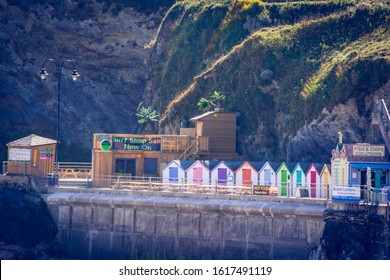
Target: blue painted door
(173, 174)
(299, 178)
(267, 177)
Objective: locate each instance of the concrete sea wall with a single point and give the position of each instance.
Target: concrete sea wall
(114, 226)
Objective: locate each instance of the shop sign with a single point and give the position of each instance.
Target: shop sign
(136, 144)
(265, 190)
(365, 150)
(19, 154)
(346, 194)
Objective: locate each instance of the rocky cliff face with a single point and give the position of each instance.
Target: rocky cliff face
(107, 42)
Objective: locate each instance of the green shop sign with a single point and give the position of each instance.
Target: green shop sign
(105, 145)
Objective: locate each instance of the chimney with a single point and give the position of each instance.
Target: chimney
(340, 137)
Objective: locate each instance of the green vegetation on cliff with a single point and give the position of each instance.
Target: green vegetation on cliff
(317, 54)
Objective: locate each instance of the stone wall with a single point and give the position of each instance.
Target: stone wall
(108, 226)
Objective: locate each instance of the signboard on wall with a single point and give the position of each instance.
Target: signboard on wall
(136, 144)
(346, 194)
(265, 190)
(19, 154)
(366, 150)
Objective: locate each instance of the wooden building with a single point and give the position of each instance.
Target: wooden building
(31, 155)
(214, 137)
(219, 130)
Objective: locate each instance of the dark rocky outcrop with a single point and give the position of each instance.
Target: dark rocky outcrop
(27, 230)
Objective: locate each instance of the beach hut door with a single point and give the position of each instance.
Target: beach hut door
(198, 174)
(173, 174)
(313, 183)
(246, 177)
(267, 177)
(284, 183)
(222, 176)
(299, 178)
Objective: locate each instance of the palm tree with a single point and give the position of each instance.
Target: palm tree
(215, 100)
(147, 116)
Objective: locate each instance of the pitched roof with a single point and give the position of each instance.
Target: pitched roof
(202, 116)
(31, 141)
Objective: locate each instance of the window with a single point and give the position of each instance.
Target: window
(125, 166)
(150, 166)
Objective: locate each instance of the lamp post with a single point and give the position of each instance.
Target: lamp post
(58, 74)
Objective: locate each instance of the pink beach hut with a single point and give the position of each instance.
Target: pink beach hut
(198, 174)
(313, 180)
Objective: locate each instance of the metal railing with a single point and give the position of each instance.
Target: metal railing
(181, 185)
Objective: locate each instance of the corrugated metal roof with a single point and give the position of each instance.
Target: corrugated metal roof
(31, 141)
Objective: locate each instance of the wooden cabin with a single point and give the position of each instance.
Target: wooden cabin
(32, 155)
(217, 132)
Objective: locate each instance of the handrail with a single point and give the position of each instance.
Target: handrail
(190, 150)
(382, 112)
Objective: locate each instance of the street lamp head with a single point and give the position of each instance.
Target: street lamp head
(43, 74)
(74, 75)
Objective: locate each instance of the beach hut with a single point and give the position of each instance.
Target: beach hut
(313, 180)
(283, 178)
(174, 173)
(221, 174)
(326, 180)
(198, 175)
(246, 175)
(267, 173)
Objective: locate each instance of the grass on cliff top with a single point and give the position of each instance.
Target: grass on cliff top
(306, 58)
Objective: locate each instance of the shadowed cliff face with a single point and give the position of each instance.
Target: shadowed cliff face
(106, 41)
(27, 230)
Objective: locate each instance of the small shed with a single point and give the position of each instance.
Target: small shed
(222, 174)
(283, 178)
(174, 174)
(313, 180)
(267, 173)
(31, 155)
(246, 175)
(326, 180)
(198, 173)
(219, 128)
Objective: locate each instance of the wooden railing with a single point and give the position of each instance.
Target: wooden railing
(177, 143)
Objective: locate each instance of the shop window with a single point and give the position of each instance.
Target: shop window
(150, 166)
(125, 166)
